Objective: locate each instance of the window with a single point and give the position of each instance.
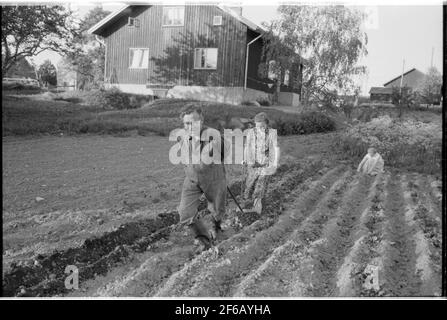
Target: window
(173, 16)
(133, 22)
(217, 20)
(287, 77)
(271, 70)
(205, 58)
(138, 58)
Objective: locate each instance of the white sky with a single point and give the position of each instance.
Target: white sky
(395, 33)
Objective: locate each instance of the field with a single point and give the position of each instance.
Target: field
(107, 205)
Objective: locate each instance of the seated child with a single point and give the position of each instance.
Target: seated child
(372, 163)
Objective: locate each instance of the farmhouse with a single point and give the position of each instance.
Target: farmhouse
(410, 81)
(207, 52)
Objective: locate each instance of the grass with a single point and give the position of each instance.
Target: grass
(28, 115)
(22, 116)
(366, 112)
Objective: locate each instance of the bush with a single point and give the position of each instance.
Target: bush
(264, 102)
(304, 123)
(110, 99)
(250, 103)
(408, 143)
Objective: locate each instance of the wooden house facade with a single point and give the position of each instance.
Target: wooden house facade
(189, 51)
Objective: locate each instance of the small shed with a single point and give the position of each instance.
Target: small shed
(381, 94)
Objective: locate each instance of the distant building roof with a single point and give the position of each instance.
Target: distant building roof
(410, 79)
(380, 90)
(21, 69)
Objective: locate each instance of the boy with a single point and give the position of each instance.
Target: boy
(372, 163)
(260, 152)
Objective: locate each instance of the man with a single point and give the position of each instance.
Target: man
(202, 177)
(261, 157)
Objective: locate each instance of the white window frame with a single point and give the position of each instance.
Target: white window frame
(220, 20)
(131, 59)
(135, 22)
(170, 8)
(286, 81)
(270, 74)
(205, 68)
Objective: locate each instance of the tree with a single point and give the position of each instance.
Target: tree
(88, 60)
(402, 97)
(48, 73)
(29, 30)
(428, 90)
(330, 40)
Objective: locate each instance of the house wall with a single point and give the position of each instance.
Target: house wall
(380, 97)
(411, 80)
(232, 95)
(289, 99)
(257, 81)
(171, 49)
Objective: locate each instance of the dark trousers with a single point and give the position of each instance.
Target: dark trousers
(211, 181)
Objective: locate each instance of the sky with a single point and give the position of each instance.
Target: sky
(395, 33)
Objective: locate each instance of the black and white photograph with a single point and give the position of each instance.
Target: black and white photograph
(219, 150)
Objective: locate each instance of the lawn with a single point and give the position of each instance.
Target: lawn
(31, 115)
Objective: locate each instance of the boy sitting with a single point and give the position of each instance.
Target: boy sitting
(372, 163)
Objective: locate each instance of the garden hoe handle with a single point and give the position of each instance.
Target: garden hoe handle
(231, 194)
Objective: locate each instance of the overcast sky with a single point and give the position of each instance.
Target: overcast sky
(394, 33)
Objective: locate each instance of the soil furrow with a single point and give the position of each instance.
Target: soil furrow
(218, 278)
(47, 275)
(273, 277)
(400, 278)
(360, 273)
(425, 224)
(326, 256)
(154, 270)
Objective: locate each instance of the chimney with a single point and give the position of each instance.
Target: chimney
(237, 9)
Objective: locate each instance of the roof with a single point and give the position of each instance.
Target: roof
(398, 77)
(250, 24)
(108, 19)
(97, 28)
(380, 90)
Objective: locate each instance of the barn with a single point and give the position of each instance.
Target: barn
(207, 52)
(410, 80)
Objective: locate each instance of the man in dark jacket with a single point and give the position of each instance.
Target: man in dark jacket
(202, 177)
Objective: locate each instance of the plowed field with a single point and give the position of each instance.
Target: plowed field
(325, 231)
